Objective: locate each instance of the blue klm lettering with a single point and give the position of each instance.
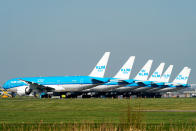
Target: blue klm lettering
(180, 77)
(100, 68)
(126, 71)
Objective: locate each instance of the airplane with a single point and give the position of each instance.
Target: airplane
(164, 78)
(155, 77)
(179, 82)
(141, 76)
(159, 86)
(28, 85)
(119, 80)
(162, 85)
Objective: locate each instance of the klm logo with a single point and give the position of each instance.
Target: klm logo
(166, 76)
(143, 73)
(100, 68)
(156, 74)
(180, 77)
(125, 71)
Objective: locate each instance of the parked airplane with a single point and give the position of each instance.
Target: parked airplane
(155, 77)
(25, 86)
(163, 86)
(164, 79)
(141, 76)
(95, 81)
(179, 83)
(119, 80)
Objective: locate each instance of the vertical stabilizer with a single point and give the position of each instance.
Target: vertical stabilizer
(156, 76)
(100, 68)
(182, 78)
(166, 76)
(144, 72)
(126, 69)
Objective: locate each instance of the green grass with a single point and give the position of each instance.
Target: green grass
(153, 111)
(16, 110)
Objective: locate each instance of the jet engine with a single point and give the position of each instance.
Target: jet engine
(28, 90)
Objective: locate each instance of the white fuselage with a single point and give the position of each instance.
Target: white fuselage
(57, 88)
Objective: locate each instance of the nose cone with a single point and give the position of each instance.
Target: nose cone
(6, 85)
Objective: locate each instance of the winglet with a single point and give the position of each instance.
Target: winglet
(126, 69)
(156, 76)
(183, 76)
(166, 76)
(100, 68)
(144, 72)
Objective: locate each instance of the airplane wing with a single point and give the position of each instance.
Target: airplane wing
(38, 87)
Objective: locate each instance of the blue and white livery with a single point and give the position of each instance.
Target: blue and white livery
(155, 77)
(179, 82)
(25, 86)
(119, 80)
(141, 76)
(164, 79)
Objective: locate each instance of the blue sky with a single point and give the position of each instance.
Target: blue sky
(54, 38)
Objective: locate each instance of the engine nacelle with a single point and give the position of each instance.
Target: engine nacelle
(28, 90)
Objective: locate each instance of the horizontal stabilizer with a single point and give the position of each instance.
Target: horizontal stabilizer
(141, 83)
(120, 81)
(96, 81)
(123, 82)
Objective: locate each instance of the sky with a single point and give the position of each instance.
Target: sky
(68, 37)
